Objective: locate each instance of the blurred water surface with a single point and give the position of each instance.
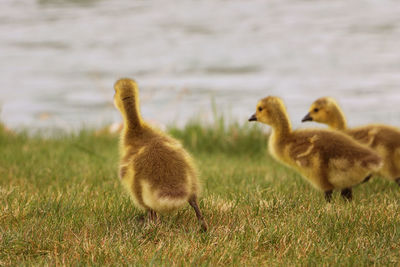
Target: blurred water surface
(59, 59)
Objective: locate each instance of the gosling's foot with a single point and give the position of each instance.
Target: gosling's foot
(328, 195)
(152, 216)
(141, 218)
(195, 206)
(347, 194)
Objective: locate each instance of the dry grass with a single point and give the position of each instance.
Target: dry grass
(61, 204)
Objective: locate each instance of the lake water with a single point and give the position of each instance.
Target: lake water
(59, 59)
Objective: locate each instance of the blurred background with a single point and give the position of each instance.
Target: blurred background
(59, 59)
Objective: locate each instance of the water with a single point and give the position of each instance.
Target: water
(59, 59)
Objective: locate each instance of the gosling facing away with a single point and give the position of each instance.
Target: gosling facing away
(155, 169)
(385, 140)
(327, 159)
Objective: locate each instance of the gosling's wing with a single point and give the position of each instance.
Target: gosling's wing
(365, 135)
(342, 151)
(302, 149)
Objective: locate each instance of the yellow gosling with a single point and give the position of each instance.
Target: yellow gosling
(385, 140)
(155, 169)
(327, 159)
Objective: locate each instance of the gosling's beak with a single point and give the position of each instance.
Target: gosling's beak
(307, 118)
(253, 117)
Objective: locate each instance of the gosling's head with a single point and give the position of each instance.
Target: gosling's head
(269, 110)
(126, 91)
(321, 110)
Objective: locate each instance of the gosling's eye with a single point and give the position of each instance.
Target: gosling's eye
(316, 109)
(259, 108)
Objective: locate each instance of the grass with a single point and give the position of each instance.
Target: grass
(61, 204)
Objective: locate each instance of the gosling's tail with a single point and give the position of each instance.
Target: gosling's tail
(163, 201)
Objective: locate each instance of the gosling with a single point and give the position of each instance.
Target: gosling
(327, 159)
(155, 169)
(385, 140)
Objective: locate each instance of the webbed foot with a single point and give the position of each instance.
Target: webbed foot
(347, 194)
(152, 216)
(328, 195)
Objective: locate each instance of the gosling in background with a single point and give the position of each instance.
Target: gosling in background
(327, 159)
(157, 172)
(385, 140)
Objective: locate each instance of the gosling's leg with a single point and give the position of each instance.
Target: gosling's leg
(328, 195)
(194, 204)
(347, 194)
(398, 181)
(152, 215)
(367, 178)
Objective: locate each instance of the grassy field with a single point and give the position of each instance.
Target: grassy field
(61, 203)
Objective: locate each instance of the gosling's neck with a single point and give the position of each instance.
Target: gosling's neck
(133, 123)
(338, 121)
(281, 126)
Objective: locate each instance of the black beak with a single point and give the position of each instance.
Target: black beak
(307, 118)
(253, 117)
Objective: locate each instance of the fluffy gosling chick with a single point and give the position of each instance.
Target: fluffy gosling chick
(327, 159)
(155, 169)
(385, 140)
